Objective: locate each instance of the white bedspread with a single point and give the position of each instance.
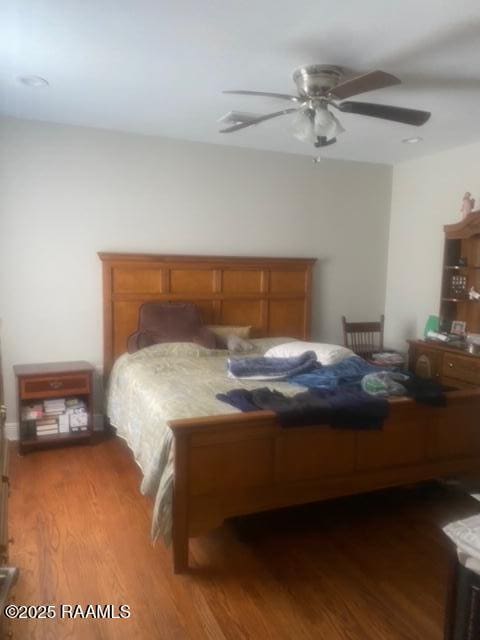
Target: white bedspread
(162, 383)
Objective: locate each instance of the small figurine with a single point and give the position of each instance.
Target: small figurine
(473, 294)
(467, 204)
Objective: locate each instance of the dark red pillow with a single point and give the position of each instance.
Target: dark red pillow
(141, 339)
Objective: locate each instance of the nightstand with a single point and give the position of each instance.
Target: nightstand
(55, 404)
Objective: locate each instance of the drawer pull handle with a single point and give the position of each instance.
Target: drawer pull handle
(450, 364)
(56, 384)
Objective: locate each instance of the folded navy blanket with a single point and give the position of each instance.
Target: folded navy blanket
(347, 373)
(341, 409)
(272, 368)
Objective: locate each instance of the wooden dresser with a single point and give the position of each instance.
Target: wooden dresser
(450, 366)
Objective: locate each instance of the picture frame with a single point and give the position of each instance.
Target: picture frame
(459, 328)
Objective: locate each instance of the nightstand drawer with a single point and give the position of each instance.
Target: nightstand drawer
(462, 368)
(52, 386)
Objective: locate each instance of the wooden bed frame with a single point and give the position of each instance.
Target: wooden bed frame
(244, 463)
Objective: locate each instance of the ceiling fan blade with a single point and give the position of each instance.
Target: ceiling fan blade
(367, 82)
(386, 112)
(269, 116)
(239, 117)
(266, 94)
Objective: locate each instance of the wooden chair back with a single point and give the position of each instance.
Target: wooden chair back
(363, 338)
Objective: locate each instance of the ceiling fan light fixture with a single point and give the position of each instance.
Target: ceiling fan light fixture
(326, 124)
(303, 125)
(322, 141)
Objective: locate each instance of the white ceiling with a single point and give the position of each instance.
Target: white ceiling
(159, 67)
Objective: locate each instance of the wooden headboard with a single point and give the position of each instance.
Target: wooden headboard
(273, 295)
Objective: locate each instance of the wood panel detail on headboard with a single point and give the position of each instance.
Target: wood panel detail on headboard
(271, 294)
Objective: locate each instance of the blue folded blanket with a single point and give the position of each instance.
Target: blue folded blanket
(272, 368)
(348, 372)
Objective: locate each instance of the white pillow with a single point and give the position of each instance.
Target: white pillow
(326, 353)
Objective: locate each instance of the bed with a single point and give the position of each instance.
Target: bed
(211, 462)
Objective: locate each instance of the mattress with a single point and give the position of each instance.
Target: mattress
(166, 382)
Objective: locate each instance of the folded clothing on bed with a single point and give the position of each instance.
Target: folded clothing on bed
(348, 372)
(272, 368)
(356, 373)
(342, 408)
(395, 383)
(385, 383)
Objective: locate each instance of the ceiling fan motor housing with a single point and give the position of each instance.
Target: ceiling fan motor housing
(316, 80)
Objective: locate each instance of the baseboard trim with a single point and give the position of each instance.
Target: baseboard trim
(11, 428)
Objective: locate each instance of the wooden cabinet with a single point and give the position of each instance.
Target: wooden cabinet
(450, 366)
(461, 274)
(49, 381)
(8, 575)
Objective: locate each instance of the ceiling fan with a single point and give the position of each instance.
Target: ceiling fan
(320, 87)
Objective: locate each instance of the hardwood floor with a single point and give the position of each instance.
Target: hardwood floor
(365, 568)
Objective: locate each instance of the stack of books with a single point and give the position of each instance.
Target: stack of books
(50, 417)
(46, 426)
(388, 358)
(54, 407)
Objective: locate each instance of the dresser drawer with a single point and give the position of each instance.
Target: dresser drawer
(461, 368)
(52, 386)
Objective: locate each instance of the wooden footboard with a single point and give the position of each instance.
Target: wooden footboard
(245, 463)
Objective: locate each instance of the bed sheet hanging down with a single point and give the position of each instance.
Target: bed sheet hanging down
(166, 382)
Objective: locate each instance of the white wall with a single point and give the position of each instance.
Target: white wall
(427, 193)
(68, 192)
